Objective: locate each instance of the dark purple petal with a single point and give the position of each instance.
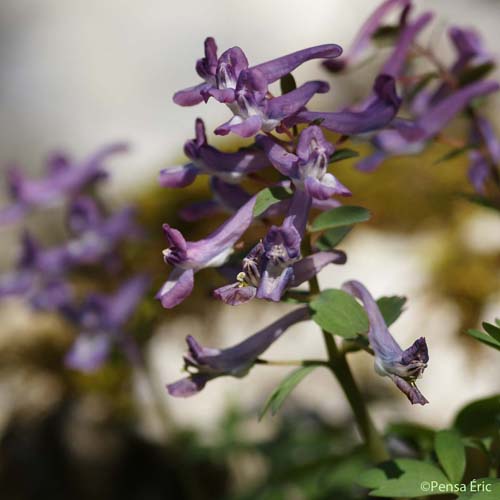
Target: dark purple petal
(397, 60)
(311, 139)
(191, 95)
(288, 104)
(381, 341)
(124, 302)
(84, 215)
(224, 96)
(274, 282)
(299, 208)
(310, 266)
(88, 352)
(217, 246)
(178, 177)
(279, 157)
(403, 367)
(239, 126)
(277, 68)
(364, 36)
(479, 171)
(379, 113)
(177, 288)
(235, 294)
(207, 66)
(188, 386)
(410, 390)
(371, 162)
(325, 188)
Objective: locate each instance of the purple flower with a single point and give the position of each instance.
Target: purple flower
(38, 276)
(308, 167)
(364, 37)
(244, 89)
(97, 236)
(248, 281)
(275, 265)
(407, 137)
(101, 321)
(403, 367)
(378, 111)
(205, 364)
(205, 159)
(187, 257)
(485, 156)
(63, 179)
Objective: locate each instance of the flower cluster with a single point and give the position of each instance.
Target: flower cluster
(293, 154)
(43, 276)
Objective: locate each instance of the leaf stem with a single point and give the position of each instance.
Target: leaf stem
(339, 366)
(292, 362)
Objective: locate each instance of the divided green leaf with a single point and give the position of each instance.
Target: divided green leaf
(450, 451)
(338, 312)
(391, 308)
(490, 338)
(340, 216)
(288, 384)
(453, 153)
(343, 154)
(475, 73)
(287, 84)
(331, 238)
(479, 418)
(403, 477)
(268, 197)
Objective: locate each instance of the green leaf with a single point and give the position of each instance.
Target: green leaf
(403, 477)
(486, 488)
(479, 418)
(476, 73)
(343, 154)
(331, 238)
(340, 216)
(421, 84)
(454, 153)
(287, 84)
(268, 197)
(288, 384)
(391, 308)
(484, 338)
(493, 330)
(386, 35)
(451, 453)
(338, 312)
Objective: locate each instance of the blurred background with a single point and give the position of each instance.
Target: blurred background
(78, 74)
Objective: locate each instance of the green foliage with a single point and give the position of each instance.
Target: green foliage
(475, 73)
(331, 238)
(476, 490)
(479, 418)
(343, 154)
(453, 153)
(287, 83)
(268, 197)
(281, 392)
(402, 477)
(338, 312)
(450, 452)
(491, 337)
(340, 216)
(386, 35)
(391, 308)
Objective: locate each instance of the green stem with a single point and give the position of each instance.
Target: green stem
(292, 362)
(339, 366)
